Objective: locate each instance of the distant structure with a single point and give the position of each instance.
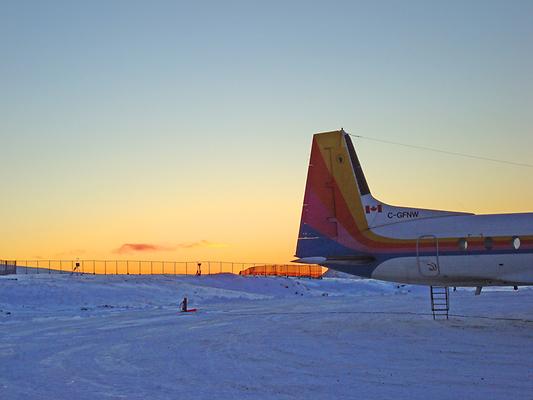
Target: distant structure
(303, 271)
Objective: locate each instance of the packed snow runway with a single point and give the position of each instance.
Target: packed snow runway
(121, 337)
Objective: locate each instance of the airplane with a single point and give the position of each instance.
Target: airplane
(345, 228)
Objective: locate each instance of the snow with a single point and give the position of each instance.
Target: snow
(121, 337)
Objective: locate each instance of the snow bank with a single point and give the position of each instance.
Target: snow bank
(110, 337)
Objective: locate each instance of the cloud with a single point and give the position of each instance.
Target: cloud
(201, 244)
(140, 247)
(147, 247)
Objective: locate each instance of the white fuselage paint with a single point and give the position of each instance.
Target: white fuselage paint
(467, 270)
(513, 268)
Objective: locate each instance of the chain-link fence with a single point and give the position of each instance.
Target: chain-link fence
(8, 267)
(135, 267)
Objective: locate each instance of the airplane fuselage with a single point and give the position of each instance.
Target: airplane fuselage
(464, 250)
(345, 228)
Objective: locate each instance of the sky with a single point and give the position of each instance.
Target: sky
(170, 130)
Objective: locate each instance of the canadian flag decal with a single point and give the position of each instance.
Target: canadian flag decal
(378, 208)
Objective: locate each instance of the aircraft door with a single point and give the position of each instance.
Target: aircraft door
(427, 255)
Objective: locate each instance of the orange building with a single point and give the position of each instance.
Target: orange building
(304, 271)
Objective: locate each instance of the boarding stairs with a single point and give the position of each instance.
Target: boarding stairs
(440, 301)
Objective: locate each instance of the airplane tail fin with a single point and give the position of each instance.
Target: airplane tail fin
(333, 217)
(340, 217)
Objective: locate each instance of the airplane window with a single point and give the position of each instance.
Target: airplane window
(488, 243)
(516, 242)
(463, 244)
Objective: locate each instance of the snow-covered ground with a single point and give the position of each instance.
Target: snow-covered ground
(120, 337)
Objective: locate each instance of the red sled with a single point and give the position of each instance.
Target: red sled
(189, 310)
